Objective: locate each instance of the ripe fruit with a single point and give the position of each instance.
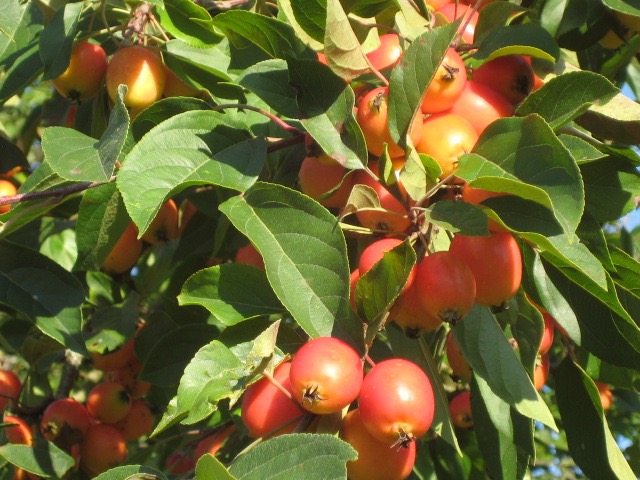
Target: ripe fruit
(165, 226)
(326, 374)
(140, 68)
(376, 461)
(481, 106)
(248, 255)
(212, 443)
(128, 376)
(108, 402)
(103, 448)
(606, 395)
(66, 420)
(138, 422)
(446, 286)
(496, 263)
(319, 175)
(541, 371)
(6, 189)
(10, 387)
(460, 410)
(388, 52)
(174, 86)
(631, 22)
(20, 432)
(373, 118)
(445, 138)
(447, 84)
(409, 314)
(396, 401)
(510, 75)
(395, 219)
(125, 252)
(83, 77)
(547, 334)
(179, 462)
(456, 359)
(115, 359)
(374, 252)
(454, 10)
(266, 410)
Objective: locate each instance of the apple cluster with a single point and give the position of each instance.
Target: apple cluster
(94, 432)
(395, 404)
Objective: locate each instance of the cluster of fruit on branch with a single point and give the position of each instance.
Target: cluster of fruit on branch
(379, 405)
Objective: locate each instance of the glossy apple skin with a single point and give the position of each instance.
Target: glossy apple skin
(510, 75)
(376, 461)
(83, 77)
(481, 106)
(125, 252)
(446, 137)
(140, 68)
(6, 189)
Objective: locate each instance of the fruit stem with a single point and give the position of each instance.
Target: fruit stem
(279, 386)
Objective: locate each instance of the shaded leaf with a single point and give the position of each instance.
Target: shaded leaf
(295, 456)
(56, 40)
(231, 292)
(591, 443)
(192, 148)
(44, 291)
(43, 459)
(285, 226)
(492, 358)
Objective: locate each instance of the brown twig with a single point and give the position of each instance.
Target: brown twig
(52, 193)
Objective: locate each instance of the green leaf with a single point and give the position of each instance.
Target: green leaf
(495, 15)
(204, 68)
(20, 25)
(132, 472)
(285, 226)
(209, 467)
(308, 18)
(492, 358)
(617, 119)
(524, 39)
(378, 288)
(76, 156)
(505, 437)
(44, 291)
(269, 80)
(458, 217)
(165, 363)
(102, 219)
(189, 22)
(276, 38)
(611, 185)
(231, 292)
(43, 459)
(592, 317)
(526, 151)
(295, 456)
(61, 248)
(56, 40)
(591, 443)
(412, 75)
(326, 105)
(217, 372)
(25, 67)
(342, 48)
(192, 148)
(567, 96)
(580, 149)
(537, 225)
